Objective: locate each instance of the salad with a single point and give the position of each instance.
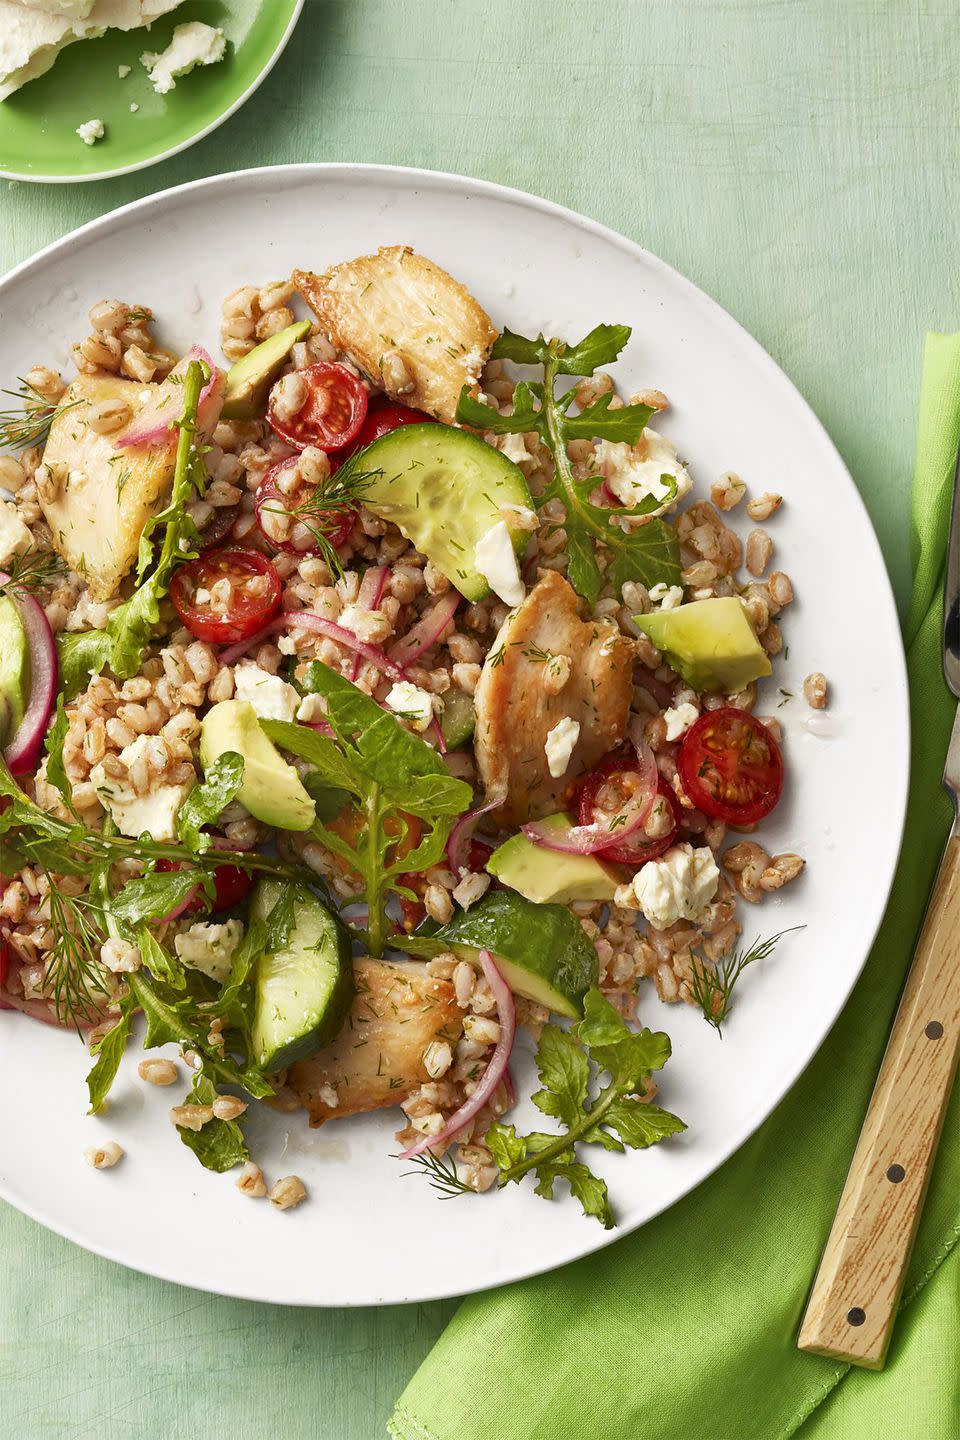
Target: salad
(363, 704)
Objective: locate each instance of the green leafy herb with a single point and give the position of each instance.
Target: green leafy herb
(325, 508)
(613, 1115)
(713, 985)
(28, 422)
(648, 553)
(120, 646)
(206, 801)
(219, 1145)
(53, 744)
(33, 570)
(441, 1173)
(109, 1052)
(390, 775)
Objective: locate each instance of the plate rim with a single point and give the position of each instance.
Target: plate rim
(60, 179)
(899, 701)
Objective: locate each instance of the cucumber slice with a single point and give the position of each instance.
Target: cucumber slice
(459, 719)
(541, 949)
(443, 488)
(304, 990)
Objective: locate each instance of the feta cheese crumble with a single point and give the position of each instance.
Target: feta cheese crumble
(559, 745)
(668, 597)
(31, 37)
(271, 697)
(680, 719)
(210, 948)
(192, 44)
(412, 703)
(496, 560)
(123, 71)
(678, 886)
(635, 473)
(91, 131)
(14, 535)
(156, 812)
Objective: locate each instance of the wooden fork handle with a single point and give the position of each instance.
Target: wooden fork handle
(854, 1299)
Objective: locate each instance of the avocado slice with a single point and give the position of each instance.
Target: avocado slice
(271, 788)
(459, 719)
(14, 670)
(544, 875)
(443, 488)
(305, 987)
(541, 949)
(251, 377)
(708, 642)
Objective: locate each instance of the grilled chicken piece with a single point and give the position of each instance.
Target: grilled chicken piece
(377, 1059)
(516, 711)
(406, 323)
(99, 497)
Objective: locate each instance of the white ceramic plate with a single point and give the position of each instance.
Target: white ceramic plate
(367, 1235)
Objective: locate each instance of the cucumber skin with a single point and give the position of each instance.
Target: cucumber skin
(397, 453)
(339, 999)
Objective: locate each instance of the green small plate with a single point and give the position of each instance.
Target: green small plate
(38, 123)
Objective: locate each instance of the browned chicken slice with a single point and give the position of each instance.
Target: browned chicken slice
(377, 1059)
(523, 694)
(406, 323)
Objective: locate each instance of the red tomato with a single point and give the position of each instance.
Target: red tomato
(272, 506)
(219, 526)
(335, 408)
(384, 416)
(731, 766)
(605, 791)
(231, 885)
(230, 612)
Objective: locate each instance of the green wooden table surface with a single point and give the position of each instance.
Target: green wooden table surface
(798, 160)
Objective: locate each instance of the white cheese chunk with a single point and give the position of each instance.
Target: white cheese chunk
(634, 473)
(123, 71)
(678, 886)
(680, 718)
(156, 812)
(496, 560)
(31, 38)
(210, 948)
(668, 597)
(412, 703)
(90, 132)
(559, 745)
(75, 9)
(271, 697)
(513, 447)
(14, 535)
(192, 44)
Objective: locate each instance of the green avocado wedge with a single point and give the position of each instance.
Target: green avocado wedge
(271, 789)
(14, 670)
(541, 949)
(545, 876)
(709, 642)
(304, 988)
(249, 380)
(443, 488)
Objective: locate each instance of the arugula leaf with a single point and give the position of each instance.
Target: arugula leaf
(206, 801)
(151, 896)
(109, 1052)
(53, 744)
(390, 775)
(649, 552)
(130, 627)
(158, 960)
(570, 1064)
(219, 1145)
(173, 1019)
(236, 1000)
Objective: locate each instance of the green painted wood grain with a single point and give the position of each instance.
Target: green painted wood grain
(799, 160)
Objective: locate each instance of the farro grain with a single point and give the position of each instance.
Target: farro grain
(815, 690)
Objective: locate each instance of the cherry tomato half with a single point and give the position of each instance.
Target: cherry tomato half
(226, 595)
(292, 522)
(384, 416)
(731, 766)
(231, 885)
(605, 791)
(334, 410)
(218, 527)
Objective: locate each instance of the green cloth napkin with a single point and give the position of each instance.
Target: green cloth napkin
(687, 1330)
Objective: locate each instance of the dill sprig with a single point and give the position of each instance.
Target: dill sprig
(75, 975)
(713, 985)
(441, 1174)
(324, 507)
(34, 570)
(28, 423)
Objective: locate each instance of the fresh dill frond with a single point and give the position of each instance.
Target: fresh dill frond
(713, 985)
(324, 509)
(34, 570)
(28, 423)
(441, 1174)
(75, 975)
